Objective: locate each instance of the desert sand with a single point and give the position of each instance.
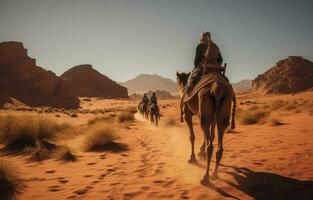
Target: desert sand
(260, 161)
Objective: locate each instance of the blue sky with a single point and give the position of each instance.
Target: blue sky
(123, 38)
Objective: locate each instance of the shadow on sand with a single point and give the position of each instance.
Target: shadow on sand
(265, 185)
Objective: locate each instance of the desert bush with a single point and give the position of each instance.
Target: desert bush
(19, 132)
(277, 104)
(105, 119)
(275, 122)
(125, 116)
(253, 116)
(99, 136)
(41, 151)
(64, 153)
(10, 182)
(131, 109)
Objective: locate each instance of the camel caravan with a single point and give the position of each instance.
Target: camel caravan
(149, 109)
(207, 93)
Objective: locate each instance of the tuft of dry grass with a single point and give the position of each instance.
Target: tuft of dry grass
(125, 116)
(275, 122)
(104, 119)
(10, 182)
(64, 153)
(100, 136)
(31, 135)
(249, 117)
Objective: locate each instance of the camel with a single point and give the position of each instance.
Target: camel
(154, 113)
(213, 105)
(142, 107)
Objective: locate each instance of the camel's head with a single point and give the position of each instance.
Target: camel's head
(181, 79)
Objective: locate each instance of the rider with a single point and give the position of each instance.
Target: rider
(208, 55)
(153, 99)
(145, 99)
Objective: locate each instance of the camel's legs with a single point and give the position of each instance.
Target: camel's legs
(222, 124)
(188, 120)
(202, 152)
(219, 153)
(206, 118)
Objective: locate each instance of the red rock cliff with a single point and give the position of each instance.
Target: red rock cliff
(22, 79)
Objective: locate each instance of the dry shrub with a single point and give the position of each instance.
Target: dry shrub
(104, 119)
(10, 182)
(125, 116)
(100, 137)
(253, 116)
(32, 135)
(277, 104)
(64, 153)
(275, 122)
(131, 110)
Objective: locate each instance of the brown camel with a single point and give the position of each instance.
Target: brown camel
(154, 113)
(213, 104)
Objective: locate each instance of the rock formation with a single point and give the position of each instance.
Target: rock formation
(287, 76)
(22, 79)
(84, 81)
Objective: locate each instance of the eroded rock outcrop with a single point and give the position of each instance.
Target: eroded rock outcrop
(287, 76)
(22, 79)
(84, 81)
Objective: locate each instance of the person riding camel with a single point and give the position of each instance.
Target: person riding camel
(145, 99)
(208, 58)
(153, 99)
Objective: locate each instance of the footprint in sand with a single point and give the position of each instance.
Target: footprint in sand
(158, 181)
(258, 163)
(63, 181)
(185, 194)
(50, 171)
(72, 197)
(102, 176)
(54, 188)
(131, 195)
(81, 191)
(91, 163)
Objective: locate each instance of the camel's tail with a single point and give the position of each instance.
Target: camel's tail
(233, 113)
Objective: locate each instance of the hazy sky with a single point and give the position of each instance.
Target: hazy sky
(122, 38)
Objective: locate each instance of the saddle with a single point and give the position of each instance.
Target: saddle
(205, 82)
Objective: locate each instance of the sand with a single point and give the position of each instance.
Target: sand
(259, 162)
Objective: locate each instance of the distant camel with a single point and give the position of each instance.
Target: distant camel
(154, 113)
(213, 104)
(143, 109)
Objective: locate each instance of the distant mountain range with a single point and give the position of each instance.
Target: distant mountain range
(242, 86)
(150, 82)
